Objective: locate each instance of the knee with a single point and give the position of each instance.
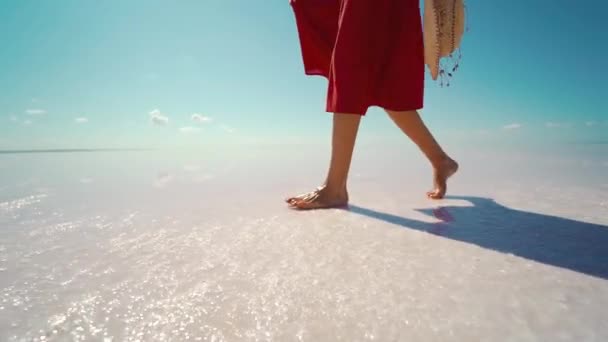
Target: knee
(398, 113)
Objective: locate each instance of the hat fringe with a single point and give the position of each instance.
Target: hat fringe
(449, 26)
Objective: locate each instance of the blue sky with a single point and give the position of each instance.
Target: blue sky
(87, 74)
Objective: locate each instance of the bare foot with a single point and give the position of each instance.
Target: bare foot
(321, 198)
(442, 171)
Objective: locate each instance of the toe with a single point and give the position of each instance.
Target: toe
(293, 199)
(304, 205)
(435, 194)
(438, 195)
(295, 204)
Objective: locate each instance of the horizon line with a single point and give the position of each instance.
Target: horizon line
(73, 150)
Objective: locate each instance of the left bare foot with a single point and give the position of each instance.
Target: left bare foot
(442, 171)
(321, 198)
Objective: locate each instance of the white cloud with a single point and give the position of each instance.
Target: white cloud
(27, 122)
(202, 178)
(512, 126)
(590, 123)
(162, 179)
(81, 120)
(158, 118)
(200, 118)
(35, 111)
(189, 129)
(86, 180)
(228, 129)
(13, 118)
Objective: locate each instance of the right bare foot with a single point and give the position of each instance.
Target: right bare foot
(321, 198)
(442, 171)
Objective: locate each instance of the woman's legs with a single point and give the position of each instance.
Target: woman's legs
(412, 125)
(333, 193)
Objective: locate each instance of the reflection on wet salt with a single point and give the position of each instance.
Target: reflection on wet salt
(162, 179)
(226, 261)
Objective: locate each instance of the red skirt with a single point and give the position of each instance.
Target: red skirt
(371, 51)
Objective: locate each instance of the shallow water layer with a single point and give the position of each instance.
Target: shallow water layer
(135, 245)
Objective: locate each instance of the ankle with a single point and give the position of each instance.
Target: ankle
(439, 160)
(335, 188)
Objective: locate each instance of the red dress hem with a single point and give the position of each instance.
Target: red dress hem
(371, 52)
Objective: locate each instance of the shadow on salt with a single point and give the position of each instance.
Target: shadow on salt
(566, 243)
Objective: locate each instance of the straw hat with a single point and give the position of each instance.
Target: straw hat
(443, 31)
